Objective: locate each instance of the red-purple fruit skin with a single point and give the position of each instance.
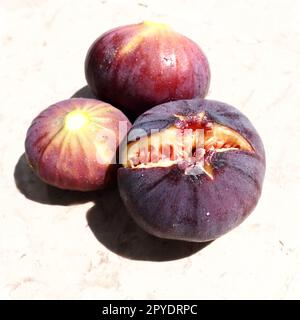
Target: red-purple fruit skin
(163, 66)
(71, 161)
(169, 204)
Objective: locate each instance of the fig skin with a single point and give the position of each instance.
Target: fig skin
(68, 156)
(136, 67)
(169, 204)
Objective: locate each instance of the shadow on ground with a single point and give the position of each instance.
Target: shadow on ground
(116, 230)
(84, 92)
(35, 189)
(107, 219)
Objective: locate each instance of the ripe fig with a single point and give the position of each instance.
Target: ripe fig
(193, 169)
(72, 144)
(138, 66)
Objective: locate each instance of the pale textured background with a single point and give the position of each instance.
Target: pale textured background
(52, 248)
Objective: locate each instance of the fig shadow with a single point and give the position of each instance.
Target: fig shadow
(33, 188)
(117, 231)
(108, 219)
(84, 92)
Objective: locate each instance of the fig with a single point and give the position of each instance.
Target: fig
(138, 66)
(192, 170)
(72, 144)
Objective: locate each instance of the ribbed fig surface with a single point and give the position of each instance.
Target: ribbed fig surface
(193, 169)
(138, 66)
(72, 144)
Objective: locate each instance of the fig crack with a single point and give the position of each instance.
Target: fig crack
(189, 143)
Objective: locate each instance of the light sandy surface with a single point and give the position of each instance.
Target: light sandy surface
(51, 247)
